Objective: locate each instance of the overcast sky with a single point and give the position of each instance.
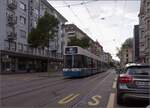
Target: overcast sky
(110, 22)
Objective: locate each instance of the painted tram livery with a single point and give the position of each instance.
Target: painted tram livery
(79, 62)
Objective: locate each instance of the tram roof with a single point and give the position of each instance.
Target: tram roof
(85, 52)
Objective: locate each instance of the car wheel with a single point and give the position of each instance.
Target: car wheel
(119, 99)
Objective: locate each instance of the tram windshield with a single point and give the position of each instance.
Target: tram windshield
(78, 61)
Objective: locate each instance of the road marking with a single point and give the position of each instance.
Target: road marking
(114, 85)
(69, 98)
(95, 101)
(111, 101)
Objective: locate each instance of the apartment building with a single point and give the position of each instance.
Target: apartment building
(95, 48)
(17, 18)
(126, 56)
(73, 31)
(136, 44)
(144, 27)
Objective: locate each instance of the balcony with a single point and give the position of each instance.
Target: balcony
(11, 36)
(12, 4)
(27, 50)
(12, 20)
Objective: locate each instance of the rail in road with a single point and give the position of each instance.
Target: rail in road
(31, 86)
(74, 91)
(97, 91)
(50, 87)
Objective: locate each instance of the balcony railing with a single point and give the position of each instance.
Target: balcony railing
(25, 49)
(12, 36)
(12, 4)
(12, 19)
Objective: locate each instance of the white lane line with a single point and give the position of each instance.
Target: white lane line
(98, 85)
(68, 98)
(95, 100)
(111, 101)
(114, 85)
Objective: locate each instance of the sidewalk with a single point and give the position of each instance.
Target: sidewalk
(35, 74)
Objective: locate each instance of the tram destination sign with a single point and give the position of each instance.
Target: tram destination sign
(71, 50)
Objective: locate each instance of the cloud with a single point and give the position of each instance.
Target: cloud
(119, 17)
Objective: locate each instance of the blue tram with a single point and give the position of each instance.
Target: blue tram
(79, 62)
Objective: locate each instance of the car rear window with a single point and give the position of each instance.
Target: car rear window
(141, 70)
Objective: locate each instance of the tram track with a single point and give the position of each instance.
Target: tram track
(52, 90)
(75, 88)
(26, 81)
(37, 87)
(88, 93)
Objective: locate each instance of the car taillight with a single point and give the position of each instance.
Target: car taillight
(125, 79)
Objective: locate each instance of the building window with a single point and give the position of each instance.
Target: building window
(42, 6)
(142, 33)
(20, 47)
(148, 43)
(36, 11)
(22, 34)
(148, 25)
(71, 34)
(148, 3)
(34, 24)
(37, 1)
(148, 10)
(22, 6)
(22, 20)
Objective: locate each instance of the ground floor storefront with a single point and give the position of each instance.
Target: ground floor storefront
(11, 62)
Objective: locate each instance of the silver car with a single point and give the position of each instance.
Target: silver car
(134, 83)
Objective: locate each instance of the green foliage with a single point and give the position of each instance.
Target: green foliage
(128, 43)
(45, 30)
(84, 42)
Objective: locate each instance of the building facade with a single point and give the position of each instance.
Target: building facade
(73, 31)
(17, 18)
(144, 28)
(126, 56)
(136, 44)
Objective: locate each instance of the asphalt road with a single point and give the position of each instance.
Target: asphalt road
(37, 90)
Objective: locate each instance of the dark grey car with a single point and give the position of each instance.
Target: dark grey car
(134, 83)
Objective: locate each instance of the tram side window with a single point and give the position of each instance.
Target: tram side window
(89, 62)
(80, 61)
(68, 61)
(84, 61)
(77, 61)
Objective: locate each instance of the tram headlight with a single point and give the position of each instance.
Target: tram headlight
(76, 69)
(65, 69)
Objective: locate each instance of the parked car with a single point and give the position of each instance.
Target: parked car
(134, 83)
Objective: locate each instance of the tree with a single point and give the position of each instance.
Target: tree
(83, 42)
(128, 43)
(45, 30)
